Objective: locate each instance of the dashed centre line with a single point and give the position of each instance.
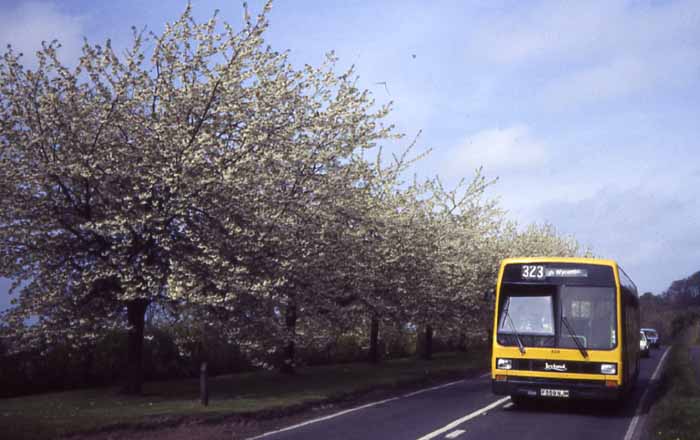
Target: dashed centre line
(449, 384)
(461, 420)
(455, 434)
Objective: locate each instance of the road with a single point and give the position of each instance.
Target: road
(468, 410)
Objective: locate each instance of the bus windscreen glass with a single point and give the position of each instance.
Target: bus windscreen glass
(535, 314)
(591, 313)
(528, 315)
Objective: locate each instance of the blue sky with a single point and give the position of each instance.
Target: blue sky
(587, 112)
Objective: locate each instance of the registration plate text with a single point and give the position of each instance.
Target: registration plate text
(546, 392)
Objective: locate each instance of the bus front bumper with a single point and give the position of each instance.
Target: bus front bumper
(556, 389)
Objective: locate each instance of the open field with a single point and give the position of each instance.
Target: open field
(258, 393)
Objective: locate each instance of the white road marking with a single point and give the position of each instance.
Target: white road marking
(638, 412)
(658, 368)
(507, 405)
(485, 374)
(445, 385)
(320, 419)
(455, 434)
(468, 417)
(347, 411)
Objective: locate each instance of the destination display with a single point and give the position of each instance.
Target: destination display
(559, 273)
(538, 271)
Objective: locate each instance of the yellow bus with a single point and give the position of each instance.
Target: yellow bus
(564, 328)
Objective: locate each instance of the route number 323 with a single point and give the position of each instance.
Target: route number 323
(532, 272)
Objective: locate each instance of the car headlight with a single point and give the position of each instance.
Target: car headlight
(608, 368)
(504, 364)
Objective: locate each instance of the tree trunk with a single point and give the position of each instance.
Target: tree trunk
(462, 346)
(204, 384)
(88, 361)
(290, 319)
(374, 340)
(136, 311)
(202, 346)
(428, 344)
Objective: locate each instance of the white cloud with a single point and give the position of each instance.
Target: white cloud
(30, 23)
(560, 31)
(496, 149)
(586, 52)
(653, 235)
(616, 78)
(622, 77)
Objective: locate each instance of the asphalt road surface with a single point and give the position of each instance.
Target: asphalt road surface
(468, 410)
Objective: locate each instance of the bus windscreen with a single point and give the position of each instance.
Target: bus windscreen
(535, 314)
(591, 312)
(528, 315)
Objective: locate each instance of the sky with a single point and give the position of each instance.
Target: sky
(586, 112)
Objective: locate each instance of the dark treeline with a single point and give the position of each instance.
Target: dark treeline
(673, 310)
(169, 355)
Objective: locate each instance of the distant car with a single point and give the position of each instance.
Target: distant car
(653, 337)
(643, 344)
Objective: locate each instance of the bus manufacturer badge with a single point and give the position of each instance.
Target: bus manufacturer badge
(554, 366)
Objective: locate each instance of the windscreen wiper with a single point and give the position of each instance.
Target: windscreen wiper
(521, 346)
(573, 334)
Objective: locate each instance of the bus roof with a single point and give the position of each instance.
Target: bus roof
(576, 260)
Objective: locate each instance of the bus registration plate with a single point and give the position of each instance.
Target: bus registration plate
(546, 392)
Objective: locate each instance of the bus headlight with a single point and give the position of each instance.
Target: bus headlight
(504, 364)
(608, 368)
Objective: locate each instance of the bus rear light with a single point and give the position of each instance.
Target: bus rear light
(611, 383)
(501, 377)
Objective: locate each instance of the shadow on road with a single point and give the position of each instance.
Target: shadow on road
(581, 407)
(595, 408)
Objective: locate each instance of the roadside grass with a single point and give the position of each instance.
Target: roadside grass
(257, 393)
(677, 414)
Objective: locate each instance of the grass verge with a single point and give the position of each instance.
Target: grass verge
(258, 394)
(676, 416)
